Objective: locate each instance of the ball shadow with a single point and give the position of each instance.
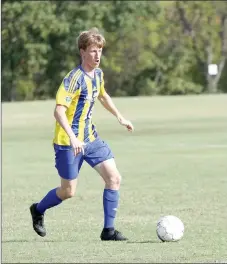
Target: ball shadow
(145, 242)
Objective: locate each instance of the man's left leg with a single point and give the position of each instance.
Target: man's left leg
(100, 157)
(112, 178)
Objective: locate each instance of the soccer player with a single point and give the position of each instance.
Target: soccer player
(76, 139)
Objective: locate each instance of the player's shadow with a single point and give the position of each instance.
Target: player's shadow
(29, 241)
(25, 241)
(145, 242)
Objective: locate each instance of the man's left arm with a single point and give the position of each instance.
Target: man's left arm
(107, 102)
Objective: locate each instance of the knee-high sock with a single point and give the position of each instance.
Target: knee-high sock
(110, 205)
(50, 200)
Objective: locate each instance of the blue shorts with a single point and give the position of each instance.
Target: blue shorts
(68, 165)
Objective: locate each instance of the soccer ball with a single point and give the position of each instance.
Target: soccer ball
(169, 228)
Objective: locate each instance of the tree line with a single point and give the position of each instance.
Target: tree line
(153, 47)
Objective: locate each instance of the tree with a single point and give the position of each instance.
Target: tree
(206, 25)
(25, 45)
(153, 47)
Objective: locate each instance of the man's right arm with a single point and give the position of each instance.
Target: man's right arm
(60, 116)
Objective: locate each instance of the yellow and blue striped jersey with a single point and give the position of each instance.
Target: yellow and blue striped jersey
(78, 92)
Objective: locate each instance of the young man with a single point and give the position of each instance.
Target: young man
(76, 139)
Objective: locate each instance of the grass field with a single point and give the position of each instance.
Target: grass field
(174, 163)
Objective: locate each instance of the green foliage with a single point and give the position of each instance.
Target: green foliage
(153, 47)
(25, 89)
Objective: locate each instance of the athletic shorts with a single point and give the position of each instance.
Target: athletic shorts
(68, 165)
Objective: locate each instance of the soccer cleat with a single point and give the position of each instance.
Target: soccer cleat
(112, 234)
(38, 221)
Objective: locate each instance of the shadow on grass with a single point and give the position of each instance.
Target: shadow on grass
(28, 241)
(145, 242)
(58, 241)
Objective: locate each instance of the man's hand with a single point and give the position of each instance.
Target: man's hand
(107, 102)
(77, 145)
(126, 123)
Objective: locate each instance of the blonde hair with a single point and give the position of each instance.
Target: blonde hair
(90, 37)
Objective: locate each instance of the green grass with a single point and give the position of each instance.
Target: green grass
(174, 163)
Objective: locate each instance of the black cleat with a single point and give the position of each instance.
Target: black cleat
(38, 221)
(112, 234)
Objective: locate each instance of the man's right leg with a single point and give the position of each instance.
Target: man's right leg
(68, 167)
(53, 198)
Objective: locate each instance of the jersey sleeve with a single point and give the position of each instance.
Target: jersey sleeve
(102, 86)
(67, 90)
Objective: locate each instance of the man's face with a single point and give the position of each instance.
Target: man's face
(92, 56)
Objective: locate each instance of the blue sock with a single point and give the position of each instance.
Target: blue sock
(110, 204)
(50, 200)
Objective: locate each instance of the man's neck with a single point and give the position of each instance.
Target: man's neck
(89, 70)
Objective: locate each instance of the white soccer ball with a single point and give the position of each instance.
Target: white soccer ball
(170, 228)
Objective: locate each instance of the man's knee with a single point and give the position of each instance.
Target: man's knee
(66, 193)
(67, 189)
(110, 174)
(69, 193)
(114, 181)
